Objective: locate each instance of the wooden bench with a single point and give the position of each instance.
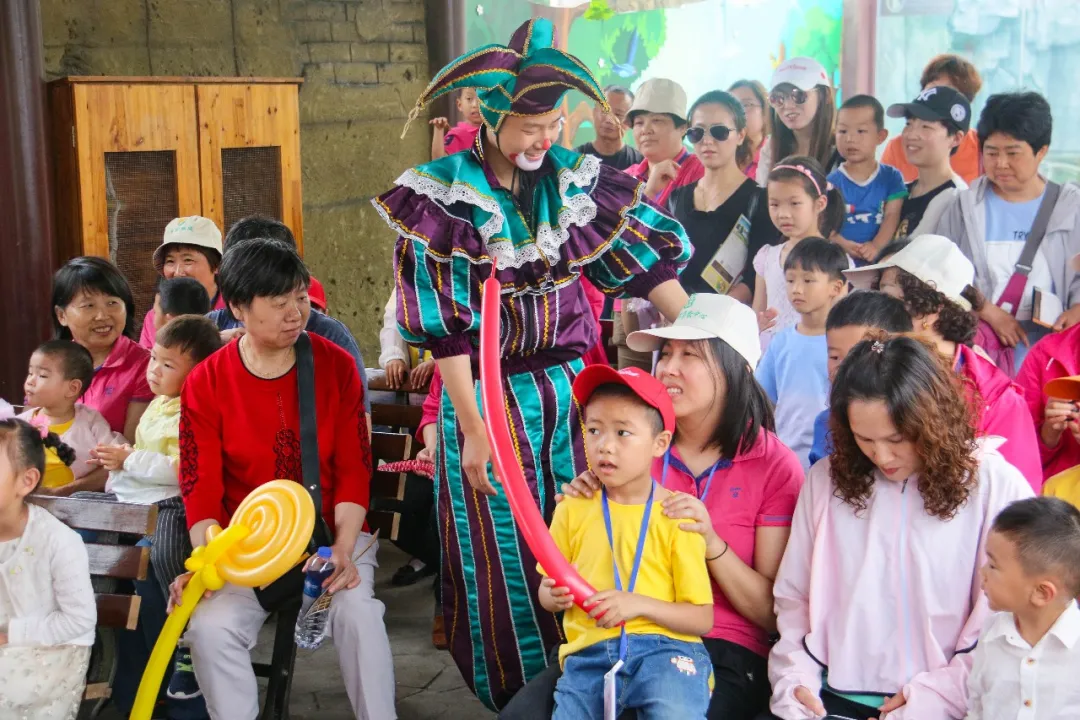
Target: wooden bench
(388, 490)
(109, 562)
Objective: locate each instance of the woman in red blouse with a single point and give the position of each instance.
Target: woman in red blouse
(240, 428)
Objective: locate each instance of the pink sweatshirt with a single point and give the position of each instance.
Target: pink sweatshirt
(889, 599)
(1004, 413)
(1055, 356)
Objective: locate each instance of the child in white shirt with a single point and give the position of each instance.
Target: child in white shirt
(47, 608)
(1027, 661)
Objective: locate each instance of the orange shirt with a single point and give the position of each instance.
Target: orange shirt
(965, 162)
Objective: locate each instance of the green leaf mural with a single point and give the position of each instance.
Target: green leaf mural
(599, 10)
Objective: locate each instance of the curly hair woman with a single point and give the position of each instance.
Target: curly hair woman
(879, 591)
(933, 278)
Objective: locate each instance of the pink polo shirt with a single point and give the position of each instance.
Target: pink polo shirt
(119, 381)
(758, 489)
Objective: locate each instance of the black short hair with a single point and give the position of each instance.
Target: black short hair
(258, 226)
(1023, 115)
(1046, 533)
(820, 255)
(260, 268)
(618, 390)
(182, 296)
(872, 309)
(92, 275)
(194, 335)
(856, 102)
(75, 360)
(619, 89)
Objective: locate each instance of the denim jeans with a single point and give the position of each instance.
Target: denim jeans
(662, 678)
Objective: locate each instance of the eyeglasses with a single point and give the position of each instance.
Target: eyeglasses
(777, 98)
(749, 105)
(720, 133)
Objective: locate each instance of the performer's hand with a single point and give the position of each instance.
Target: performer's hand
(475, 456)
(395, 373)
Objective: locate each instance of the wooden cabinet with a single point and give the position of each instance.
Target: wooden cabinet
(131, 154)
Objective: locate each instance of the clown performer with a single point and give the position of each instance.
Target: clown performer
(536, 217)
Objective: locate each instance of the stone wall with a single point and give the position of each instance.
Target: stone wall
(364, 63)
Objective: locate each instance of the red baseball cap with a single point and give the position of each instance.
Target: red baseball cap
(644, 385)
(317, 295)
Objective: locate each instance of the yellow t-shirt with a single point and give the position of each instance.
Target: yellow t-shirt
(1065, 485)
(672, 564)
(57, 474)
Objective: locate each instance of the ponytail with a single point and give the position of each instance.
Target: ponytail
(833, 216)
(65, 452)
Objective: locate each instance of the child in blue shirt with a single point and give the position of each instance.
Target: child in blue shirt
(850, 321)
(874, 192)
(793, 370)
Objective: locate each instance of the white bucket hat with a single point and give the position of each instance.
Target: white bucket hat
(704, 317)
(803, 72)
(934, 259)
(660, 95)
(193, 230)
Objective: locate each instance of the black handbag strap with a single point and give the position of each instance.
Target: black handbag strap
(309, 436)
(1038, 229)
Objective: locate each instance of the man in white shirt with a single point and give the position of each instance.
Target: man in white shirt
(1027, 661)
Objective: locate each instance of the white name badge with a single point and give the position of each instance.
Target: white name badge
(610, 706)
(726, 266)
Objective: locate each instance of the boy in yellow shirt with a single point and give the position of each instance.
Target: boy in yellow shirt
(643, 635)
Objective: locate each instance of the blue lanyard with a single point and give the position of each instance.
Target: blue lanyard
(637, 554)
(702, 492)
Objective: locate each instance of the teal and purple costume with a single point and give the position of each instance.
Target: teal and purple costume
(457, 227)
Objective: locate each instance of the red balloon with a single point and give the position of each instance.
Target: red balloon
(507, 468)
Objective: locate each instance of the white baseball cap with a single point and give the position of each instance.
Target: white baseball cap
(706, 316)
(804, 73)
(193, 230)
(660, 95)
(934, 259)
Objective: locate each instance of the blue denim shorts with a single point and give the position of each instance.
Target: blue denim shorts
(662, 679)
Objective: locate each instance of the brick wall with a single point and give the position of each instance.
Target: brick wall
(364, 62)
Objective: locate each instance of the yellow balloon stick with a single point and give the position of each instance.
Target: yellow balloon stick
(268, 534)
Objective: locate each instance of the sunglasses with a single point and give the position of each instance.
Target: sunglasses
(777, 98)
(719, 133)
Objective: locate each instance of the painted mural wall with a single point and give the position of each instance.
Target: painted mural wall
(702, 44)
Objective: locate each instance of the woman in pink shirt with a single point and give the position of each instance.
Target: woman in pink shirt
(878, 598)
(93, 305)
(734, 482)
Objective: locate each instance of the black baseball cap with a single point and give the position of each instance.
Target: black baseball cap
(937, 104)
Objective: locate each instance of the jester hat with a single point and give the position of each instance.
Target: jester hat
(527, 77)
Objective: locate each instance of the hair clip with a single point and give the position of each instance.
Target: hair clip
(878, 347)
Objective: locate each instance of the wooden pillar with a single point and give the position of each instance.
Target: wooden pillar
(858, 45)
(445, 26)
(26, 243)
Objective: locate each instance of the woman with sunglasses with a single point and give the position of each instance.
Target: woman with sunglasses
(725, 213)
(755, 102)
(802, 116)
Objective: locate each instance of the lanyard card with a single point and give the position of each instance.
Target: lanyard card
(610, 704)
(726, 266)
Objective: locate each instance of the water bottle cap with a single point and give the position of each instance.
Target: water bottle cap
(324, 553)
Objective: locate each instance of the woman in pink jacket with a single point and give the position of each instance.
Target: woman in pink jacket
(933, 278)
(878, 596)
(1055, 356)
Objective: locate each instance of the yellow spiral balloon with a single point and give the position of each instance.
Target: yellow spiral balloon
(267, 536)
(280, 518)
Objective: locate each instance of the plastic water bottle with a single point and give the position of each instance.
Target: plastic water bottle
(311, 622)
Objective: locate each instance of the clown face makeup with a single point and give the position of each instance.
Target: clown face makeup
(524, 141)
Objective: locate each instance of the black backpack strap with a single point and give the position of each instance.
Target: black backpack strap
(309, 436)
